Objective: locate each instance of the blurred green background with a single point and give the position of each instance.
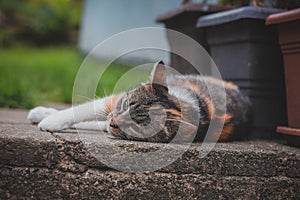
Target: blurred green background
(39, 22)
(39, 57)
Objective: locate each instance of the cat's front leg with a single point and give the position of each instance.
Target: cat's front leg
(91, 111)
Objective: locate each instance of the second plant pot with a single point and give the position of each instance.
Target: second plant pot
(247, 53)
(288, 24)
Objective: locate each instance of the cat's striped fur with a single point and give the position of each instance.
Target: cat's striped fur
(157, 110)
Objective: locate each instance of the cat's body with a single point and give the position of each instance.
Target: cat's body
(159, 110)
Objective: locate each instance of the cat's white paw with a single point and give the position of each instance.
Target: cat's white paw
(37, 114)
(53, 123)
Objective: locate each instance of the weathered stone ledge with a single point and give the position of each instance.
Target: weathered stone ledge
(42, 183)
(35, 164)
(25, 145)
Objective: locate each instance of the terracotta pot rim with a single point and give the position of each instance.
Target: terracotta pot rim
(288, 130)
(283, 17)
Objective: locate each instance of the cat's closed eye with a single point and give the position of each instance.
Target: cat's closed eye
(125, 105)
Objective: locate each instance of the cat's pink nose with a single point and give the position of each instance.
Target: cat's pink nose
(112, 123)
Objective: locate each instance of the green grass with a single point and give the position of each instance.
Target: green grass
(30, 76)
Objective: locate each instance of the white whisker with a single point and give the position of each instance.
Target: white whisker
(101, 114)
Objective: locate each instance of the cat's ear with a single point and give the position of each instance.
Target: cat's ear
(158, 75)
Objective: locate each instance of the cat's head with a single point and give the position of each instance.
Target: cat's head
(149, 112)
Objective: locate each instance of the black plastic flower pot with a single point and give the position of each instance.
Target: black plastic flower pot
(183, 19)
(247, 53)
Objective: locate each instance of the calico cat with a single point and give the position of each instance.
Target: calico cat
(155, 111)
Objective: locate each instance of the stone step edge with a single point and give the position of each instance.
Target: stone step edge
(72, 156)
(45, 183)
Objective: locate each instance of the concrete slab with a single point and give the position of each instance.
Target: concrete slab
(73, 164)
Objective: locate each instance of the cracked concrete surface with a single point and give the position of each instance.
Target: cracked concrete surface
(42, 165)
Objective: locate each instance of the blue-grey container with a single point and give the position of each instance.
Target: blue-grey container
(246, 52)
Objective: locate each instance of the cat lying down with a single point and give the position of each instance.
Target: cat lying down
(167, 106)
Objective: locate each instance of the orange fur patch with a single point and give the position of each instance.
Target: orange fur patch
(153, 108)
(210, 107)
(178, 114)
(230, 85)
(227, 129)
(226, 132)
(174, 112)
(111, 102)
(196, 89)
